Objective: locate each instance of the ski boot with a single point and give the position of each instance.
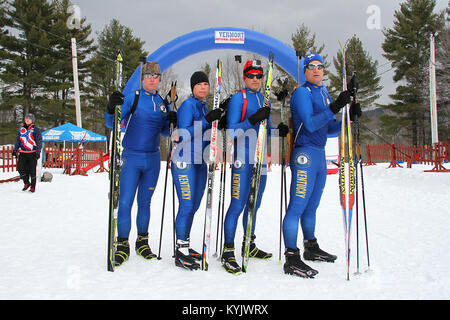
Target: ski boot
(194, 254)
(314, 253)
(142, 247)
(122, 251)
(295, 266)
(182, 257)
(228, 259)
(254, 252)
(26, 186)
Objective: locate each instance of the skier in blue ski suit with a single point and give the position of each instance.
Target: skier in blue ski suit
(141, 157)
(313, 118)
(188, 167)
(244, 112)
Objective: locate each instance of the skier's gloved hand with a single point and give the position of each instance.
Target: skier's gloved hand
(115, 99)
(341, 101)
(282, 95)
(283, 130)
(260, 115)
(37, 155)
(14, 153)
(223, 122)
(355, 110)
(224, 104)
(213, 115)
(172, 117)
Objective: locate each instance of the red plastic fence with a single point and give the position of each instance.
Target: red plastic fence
(78, 161)
(8, 163)
(394, 153)
(73, 159)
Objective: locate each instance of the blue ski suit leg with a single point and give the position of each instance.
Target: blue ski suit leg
(140, 171)
(240, 191)
(309, 173)
(190, 183)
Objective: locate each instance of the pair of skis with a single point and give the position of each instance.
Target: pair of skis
(346, 203)
(211, 171)
(257, 168)
(114, 171)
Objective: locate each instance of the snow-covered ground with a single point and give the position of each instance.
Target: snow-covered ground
(54, 244)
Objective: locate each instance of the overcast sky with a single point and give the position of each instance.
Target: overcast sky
(160, 21)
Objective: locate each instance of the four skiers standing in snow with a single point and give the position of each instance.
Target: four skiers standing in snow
(313, 119)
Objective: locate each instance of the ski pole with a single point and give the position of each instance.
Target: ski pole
(219, 211)
(365, 215)
(224, 184)
(281, 96)
(171, 99)
(354, 87)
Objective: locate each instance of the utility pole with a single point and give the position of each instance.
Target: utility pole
(75, 82)
(433, 104)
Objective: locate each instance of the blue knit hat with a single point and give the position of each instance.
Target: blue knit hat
(311, 57)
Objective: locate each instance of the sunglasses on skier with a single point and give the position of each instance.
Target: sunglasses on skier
(151, 75)
(312, 66)
(253, 75)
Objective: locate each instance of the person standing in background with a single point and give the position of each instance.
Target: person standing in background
(28, 150)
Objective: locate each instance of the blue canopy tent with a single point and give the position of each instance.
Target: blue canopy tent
(71, 133)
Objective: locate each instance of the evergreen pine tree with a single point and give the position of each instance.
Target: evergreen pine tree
(303, 42)
(60, 104)
(103, 67)
(357, 60)
(25, 58)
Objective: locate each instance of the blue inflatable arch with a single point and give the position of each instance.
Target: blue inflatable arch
(219, 39)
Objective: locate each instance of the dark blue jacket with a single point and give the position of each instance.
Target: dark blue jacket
(29, 139)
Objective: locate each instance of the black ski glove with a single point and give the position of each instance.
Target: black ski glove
(283, 130)
(260, 115)
(341, 101)
(355, 110)
(223, 122)
(214, 114)
(115, 99)
(282, 95)
(172, 117)
(224, 104)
